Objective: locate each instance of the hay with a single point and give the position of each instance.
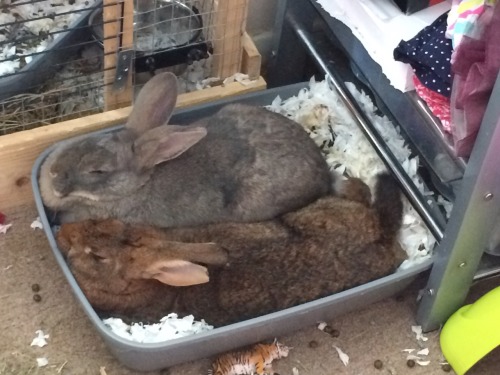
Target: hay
(76, 90)
(32, 110)
(27, 111)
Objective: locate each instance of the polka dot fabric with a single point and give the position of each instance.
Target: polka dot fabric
(429, 54)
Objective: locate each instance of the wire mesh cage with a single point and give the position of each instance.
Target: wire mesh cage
(37, 39)
(64, 59)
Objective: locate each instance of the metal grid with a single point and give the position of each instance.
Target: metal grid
(219, 24)
(226, 23)
(58, 57)
(160, 24)
(50, 68)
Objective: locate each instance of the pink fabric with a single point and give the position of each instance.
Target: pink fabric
(437, 103)
(475, 67)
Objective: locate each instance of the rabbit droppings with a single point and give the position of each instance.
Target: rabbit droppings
(242, 164)
(229, 272)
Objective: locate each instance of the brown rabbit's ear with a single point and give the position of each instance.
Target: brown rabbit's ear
(177, 272)
(175, 263)
(204, 252)
(154, 104)
(164, 143)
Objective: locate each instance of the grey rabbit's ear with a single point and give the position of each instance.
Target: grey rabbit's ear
(164, 143)
(154, 104)
(177, 272)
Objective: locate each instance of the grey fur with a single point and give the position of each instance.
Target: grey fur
(242, 164)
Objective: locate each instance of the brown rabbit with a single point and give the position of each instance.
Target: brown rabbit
(255, 268)
(242, 164)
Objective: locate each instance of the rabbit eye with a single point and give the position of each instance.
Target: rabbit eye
(94, 255)
(97, 257)
(97, 172)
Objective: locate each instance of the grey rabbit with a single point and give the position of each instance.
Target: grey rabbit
(229, 272)
(242, 164)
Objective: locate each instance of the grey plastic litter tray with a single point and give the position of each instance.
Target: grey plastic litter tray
(151, 357)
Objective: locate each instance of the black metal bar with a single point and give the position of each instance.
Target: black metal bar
(170, 57)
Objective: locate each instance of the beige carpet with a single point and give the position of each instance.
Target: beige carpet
(379, 332)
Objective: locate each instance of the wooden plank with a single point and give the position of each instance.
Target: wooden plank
(118, 21)
(251, 59)
(18, 151)
(228, 28)
(128, 25)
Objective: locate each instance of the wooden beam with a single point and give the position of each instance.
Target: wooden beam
(118, 21)
(251, 59)
(229, 24)
(18, 151)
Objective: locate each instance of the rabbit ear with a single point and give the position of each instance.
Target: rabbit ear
(154, 104)
(174, 263)
(207, 252)
(164, 143)
(176, 272)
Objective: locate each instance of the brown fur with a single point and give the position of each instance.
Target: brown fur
(255, 268)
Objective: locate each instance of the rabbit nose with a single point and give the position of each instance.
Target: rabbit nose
(62, 191)
(53, 174)
(61, 187)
